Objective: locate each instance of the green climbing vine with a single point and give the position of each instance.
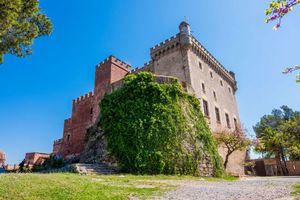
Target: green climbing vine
(156, 128)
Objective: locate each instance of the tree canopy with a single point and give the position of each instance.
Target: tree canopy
(21, 21)
(232, 141)
(278, 134)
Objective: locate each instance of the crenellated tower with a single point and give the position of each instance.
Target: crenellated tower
(85, 109)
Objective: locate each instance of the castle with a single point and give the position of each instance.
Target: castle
(181, 56)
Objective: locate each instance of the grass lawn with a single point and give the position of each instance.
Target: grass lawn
(296, 191)
(73, 186)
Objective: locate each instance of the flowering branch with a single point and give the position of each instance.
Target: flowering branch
(290, 70)
(278, 9)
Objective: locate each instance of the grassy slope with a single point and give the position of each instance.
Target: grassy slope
(73, 186)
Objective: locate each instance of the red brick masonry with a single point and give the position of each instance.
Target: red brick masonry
(85, 109)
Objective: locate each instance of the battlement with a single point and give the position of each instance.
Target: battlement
(165, 45)
(166, 42)
(68, 120)
(83, 98)
(116, 61)
(58, 141)
(146, 67)
(214, 61)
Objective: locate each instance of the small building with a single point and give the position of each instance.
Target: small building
(269, 167)
(35, 158)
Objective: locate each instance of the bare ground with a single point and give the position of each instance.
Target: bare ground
(252, 188)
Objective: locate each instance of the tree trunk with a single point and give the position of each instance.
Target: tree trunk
(285, 171)
(226, 159)
(279, 164)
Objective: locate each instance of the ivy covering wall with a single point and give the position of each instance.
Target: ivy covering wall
(156, 128)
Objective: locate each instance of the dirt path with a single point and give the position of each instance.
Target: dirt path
(256, 188)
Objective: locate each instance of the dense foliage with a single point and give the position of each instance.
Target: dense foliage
(157, 128)
(21, 21)
(232, 141)
(278, 134)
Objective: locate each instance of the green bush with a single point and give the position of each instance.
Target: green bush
(156, 128)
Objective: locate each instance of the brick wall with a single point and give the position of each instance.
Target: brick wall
(75, 127)
(85, 109)
(57, 145)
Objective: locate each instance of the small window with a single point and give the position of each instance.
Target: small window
(211, 74)
(229, 90)
(235, 123)
(205, 108)
(227, 120)
(218, 118)
(221, 82)
(203, 88)
(200, 65)
(215, 96)
(91, 111)
(68, 137)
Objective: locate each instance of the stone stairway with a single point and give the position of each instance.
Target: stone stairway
(99, 168)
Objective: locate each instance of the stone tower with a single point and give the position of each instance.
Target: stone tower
(184, 57)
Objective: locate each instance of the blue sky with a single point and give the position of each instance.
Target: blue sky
(36, 92)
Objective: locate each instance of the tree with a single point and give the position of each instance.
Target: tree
(292, 128)
(21, 21)
(278, 134)
(232, 141)
(23, 168)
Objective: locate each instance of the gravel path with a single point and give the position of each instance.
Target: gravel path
(258, 188)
